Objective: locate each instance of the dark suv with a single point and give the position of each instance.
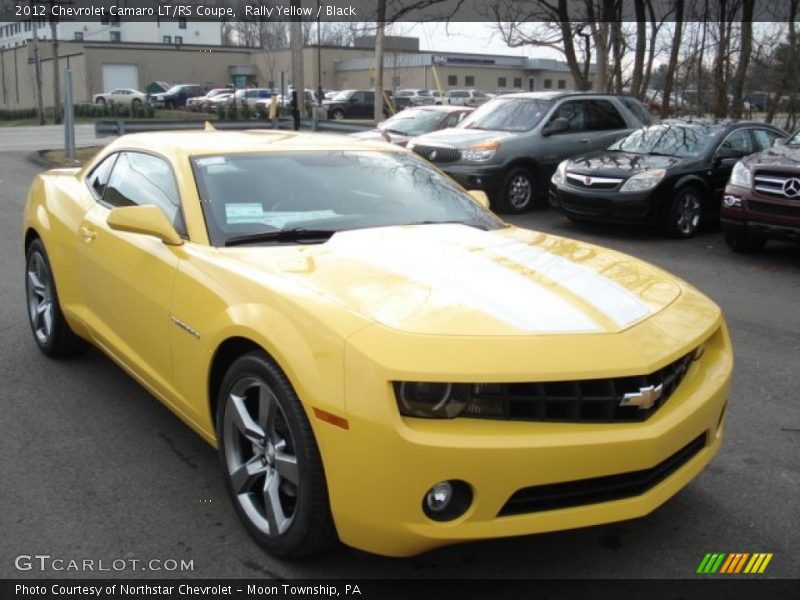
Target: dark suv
(352, 104)
(177, 95)
(762, 198)
(510, 146)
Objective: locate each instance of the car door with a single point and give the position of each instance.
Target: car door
(736, 145)
(126, 278)
(553, 148)
(366, 106)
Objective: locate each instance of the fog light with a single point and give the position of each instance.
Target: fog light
(731, 201)
(447, 500)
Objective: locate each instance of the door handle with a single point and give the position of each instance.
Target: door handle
(585, 141)
(88, 233)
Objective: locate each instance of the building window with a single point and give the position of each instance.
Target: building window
(562, 84)
(27, 25)
(79, 35)
(115, 21)
(115, 36)
(469, 81)
(501, 82)
(452, 80)
(517, 83)
(167, 39)
(548, 84)
(181, 23)
(178, 39)
(104, 20)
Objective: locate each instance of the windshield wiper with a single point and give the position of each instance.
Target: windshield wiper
(295, 234)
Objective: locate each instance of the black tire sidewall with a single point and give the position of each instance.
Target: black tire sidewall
(671, 225)
(295, 541)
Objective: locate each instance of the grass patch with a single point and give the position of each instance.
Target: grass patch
(82, 155)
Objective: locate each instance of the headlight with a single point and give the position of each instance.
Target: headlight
(741, 176)
(480, 152)
(559, 175)
(643, 181)
(430, 399)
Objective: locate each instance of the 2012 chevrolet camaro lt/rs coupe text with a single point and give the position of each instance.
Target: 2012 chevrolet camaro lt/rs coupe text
(375, 355)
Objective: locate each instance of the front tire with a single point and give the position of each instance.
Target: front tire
(51, 332)
(270, 460)
(684, 214)
(744, 243)
(518, 191)
(338, 114)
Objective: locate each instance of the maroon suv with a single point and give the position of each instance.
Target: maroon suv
(762, 198)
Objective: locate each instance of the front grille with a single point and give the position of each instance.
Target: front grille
(772, 182)
(578, 401)
(438, 155)
(590, 182)
(598, 489)
(774, 209)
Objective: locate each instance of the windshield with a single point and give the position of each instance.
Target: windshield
(508, 114)
(174, 89)
(683, 141)
(794, 140)
(343, 95)
(247, 194)
(412, 122)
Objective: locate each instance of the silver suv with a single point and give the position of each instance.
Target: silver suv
(466, 97)
(510, 146)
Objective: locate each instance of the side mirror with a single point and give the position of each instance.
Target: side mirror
(556, 126)
(481, 198)
(781, 141)
(147, 220)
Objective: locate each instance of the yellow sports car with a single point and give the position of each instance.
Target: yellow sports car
(375, 355)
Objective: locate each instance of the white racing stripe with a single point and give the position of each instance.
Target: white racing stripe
(439, 257)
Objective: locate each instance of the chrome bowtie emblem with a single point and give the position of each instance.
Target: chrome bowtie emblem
(645, 398)
(433, 155)
(791, 187)
(587, 181)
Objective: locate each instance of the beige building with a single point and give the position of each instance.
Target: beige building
(101, 66)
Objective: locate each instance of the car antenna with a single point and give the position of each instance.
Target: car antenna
(209, 127)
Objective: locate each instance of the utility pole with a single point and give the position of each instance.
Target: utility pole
(56, 80)
(379, 35)
(296, 42)
(38, 70)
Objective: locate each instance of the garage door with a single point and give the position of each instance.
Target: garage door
(120, 76)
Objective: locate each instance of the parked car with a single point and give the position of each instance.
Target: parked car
(510, 146)
(352, 104)
(125, 96)
(466, 97)
(249, 96)
(415, 121)
(210, 105)
(372, 353)
(438, 97)
(198, 103)
(405, 98)
(671, 174)
(177, 95)
(762, 198)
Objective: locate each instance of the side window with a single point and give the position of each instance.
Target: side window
(740, 140)
(604, 116)
(765, 138)
(98, 178)
(638, 109)
(575, 113)
(454, 119)
(141, 179)
(368, 97)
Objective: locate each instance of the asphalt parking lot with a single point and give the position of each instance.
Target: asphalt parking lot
(93, 467)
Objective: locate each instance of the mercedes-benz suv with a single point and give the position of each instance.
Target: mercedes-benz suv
(510, 146)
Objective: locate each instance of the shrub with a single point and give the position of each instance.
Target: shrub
(246, 112)
(220, 111)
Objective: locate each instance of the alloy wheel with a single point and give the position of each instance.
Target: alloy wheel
(260, 456)
(519, 191)
(688, 214)
(39, 288)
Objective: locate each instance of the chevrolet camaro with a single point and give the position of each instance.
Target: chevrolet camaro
(376, 356)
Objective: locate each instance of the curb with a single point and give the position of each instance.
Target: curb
(38, 158)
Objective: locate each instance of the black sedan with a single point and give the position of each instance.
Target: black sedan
(671, 174)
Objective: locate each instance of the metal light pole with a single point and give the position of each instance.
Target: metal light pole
(319, 60)
(69, 117)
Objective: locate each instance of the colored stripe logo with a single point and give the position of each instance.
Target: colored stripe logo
(734, 563)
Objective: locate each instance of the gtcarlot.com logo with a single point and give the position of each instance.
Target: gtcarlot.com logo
(45, 562)
(731, 563)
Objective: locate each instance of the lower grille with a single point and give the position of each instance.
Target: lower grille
(438, 155)
(598, 489)
(586, 400)
(774, 209)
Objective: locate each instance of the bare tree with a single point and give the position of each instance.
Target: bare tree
(641, 48)
(673, 58)
(737, 102)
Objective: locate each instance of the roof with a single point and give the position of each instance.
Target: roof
(556, 94)
(200, 143)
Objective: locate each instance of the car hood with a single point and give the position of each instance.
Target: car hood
(375, 135)
(621, 164)
(777, 156)
(460, 138)
(458, 280)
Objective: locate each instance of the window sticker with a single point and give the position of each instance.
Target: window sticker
(242, 212)
(211, 160)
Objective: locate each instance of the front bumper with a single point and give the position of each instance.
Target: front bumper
(477, 176)
(762, 215)
(380, 468)
(606, 206)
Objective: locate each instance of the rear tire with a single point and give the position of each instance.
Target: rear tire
(51, 332)
(684, 214)
(744, 243)
(100, 101)
(270, 460)
(338, 114)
